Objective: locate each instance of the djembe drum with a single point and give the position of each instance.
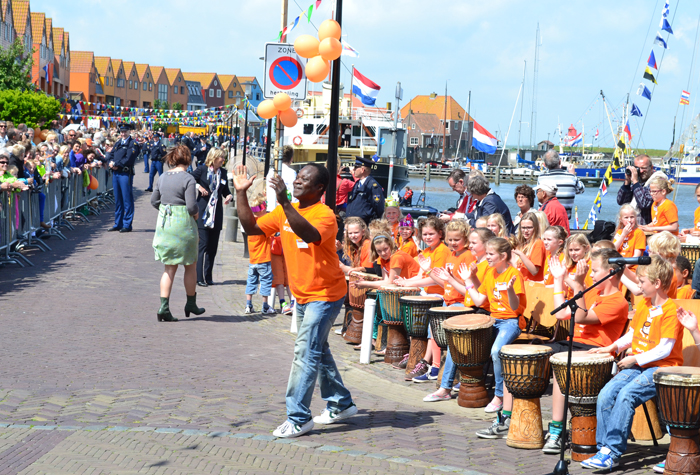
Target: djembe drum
(589, 373)
(415, 316)
(525, 370)
(353, 334)
(678, 394)
(469, 340)
(397, 340)
(436, 317)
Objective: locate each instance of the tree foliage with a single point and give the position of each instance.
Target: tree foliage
(177, 106)
(16, 68)
(28, 107)
(161, 105)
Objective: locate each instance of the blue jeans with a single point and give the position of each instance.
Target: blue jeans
(508, 330)
(145, 162)
(124, 198)
(259, 273)
(450, 370)
(313, 360)
(616, 404)
(156, 166)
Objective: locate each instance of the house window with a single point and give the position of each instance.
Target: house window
(216, 83)
(174, 89)
(456, 126)
(131, 84)
(230, 94)
(182, 89)
(257, 97)
(218, 93)
(136, 85)
(414, 140)
(413, 126)
(211, 92)
(120, 82)
(447, 124)
(163, 92)
(150, 86)
(145, 86)
(179, 79)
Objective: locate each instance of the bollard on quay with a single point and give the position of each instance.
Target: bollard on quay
(245, 246)
(231, 229)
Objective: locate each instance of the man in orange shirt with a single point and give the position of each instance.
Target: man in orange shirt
(307, 230)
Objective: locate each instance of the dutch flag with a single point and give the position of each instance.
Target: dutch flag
(482, 140)
(365, 89)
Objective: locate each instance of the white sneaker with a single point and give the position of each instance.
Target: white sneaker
(289, 430)
(269, 310)
(249, 309)
(339, 331)
(328, 417)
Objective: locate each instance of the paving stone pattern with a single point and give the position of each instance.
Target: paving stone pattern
(90, 382)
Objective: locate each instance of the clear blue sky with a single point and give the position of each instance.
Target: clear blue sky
(472, 44)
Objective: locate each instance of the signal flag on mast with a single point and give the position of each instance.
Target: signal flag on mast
(685, 98)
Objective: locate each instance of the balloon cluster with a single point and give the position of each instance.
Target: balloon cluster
(280, 105)
(320, 51)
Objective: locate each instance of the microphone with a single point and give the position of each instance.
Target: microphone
(630, 261)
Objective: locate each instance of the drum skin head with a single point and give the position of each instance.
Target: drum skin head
(678, 376)
(395, 288)
(365, 276)
(581, 358)
(449, 310)
(525, 349)
(468, 322)
(420, 299)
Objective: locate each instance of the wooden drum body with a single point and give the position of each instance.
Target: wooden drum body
(414, 310)
(589, 374)
(437, 315)
(469, 340)
(526, 371)
(357, 298)
(678, 394)
(397, 340)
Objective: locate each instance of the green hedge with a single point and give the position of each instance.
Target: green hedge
(28, 108)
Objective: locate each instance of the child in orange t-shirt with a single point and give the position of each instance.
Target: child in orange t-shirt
(664, 212)
(393, 262)
(392, 214)
(668, 247)
(356, 246)
(405, 240)
(629, 240)
(530, 249)
(695, 230)
(432, 232)
(260, 267)
(554, 240)
(578, 249)
(655, 337)
(683, 270)
(503, 287)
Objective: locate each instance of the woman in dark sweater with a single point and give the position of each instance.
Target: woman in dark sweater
(175, 240)
(212, 185)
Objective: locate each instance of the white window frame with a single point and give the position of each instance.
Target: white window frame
(218, 93)
(211, 92)
(414, 141)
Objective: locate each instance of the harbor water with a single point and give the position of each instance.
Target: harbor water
(439, 195)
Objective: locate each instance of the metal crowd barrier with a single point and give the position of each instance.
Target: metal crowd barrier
(66, 199)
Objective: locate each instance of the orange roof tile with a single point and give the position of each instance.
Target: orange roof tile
(3, 7)
(227, 79)
(427, 105)
(20, 12)
(49, 30)
(38, 27)
(205, 79)
(172, 74)
(116, 64)
(58, 40)
(66, 40)
(81, 61)
(247, 78)
(128, 66)
(141, 70)
(156, 71)
(102, 64)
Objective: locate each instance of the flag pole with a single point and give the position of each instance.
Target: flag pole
(333, 124)
(352, 79)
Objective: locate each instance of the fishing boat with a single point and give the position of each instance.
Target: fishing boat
(683, 160)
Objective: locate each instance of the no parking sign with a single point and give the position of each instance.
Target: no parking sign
(284, 72)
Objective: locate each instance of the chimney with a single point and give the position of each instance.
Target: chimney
(388, 106)
(433, 95)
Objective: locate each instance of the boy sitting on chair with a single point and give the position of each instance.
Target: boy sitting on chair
(655, 337)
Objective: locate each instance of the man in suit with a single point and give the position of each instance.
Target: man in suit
(488, 202)
(157, 153)
(121, 158)
(201, 149)
(366, 200)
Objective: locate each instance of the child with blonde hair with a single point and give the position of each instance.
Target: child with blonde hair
(530, 249)
(392, 214)
(664, 212)
(554, 240)
(497, 225)
(405, 239)
(668, 247)
(629, 240)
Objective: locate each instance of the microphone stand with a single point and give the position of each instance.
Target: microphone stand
(562, 466)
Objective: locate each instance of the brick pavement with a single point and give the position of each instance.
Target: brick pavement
(92, 383)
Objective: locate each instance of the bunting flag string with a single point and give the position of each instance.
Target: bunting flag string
(307, 13)
(685, 98)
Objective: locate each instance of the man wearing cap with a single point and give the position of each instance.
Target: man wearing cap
(366, 200)
(121, 158)
(555, 211)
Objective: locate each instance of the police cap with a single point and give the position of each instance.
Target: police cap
(363, 162)
(123, 126)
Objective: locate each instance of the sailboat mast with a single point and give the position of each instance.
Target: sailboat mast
(444, 128)
(533, 116)
(522, 100)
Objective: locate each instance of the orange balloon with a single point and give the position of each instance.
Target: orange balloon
(329, 29)
(330, 49)
(317, 69)
(267, 109)
(288, 118)
(282, 101)
(306, 46)
(93, 183)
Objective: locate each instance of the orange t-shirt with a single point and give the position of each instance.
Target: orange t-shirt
(537, 256)
(664, 214)
(633, 241)
(313, 268)
(438, 258)
(685, 292)
(696, 219)
(366, 254)
(259, 249)
(481, 269)
(451, 294)
(494, 287)
(673, 289)
(408, 265)
(612, 312)
(409, 247)
(652, 323)
(547, 278)
(395, 231)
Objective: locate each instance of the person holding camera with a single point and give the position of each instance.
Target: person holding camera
(635, 190)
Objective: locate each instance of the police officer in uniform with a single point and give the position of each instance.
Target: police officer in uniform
(201, 149)
(157, 154)
(121, 158)
(366, 200)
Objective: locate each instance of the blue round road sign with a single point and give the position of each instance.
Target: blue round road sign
(286, 73)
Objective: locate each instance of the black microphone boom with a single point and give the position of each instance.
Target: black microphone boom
(630, 261)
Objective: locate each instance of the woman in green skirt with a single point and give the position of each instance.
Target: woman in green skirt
(176, 238)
